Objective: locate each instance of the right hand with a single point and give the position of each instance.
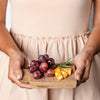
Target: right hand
(17, 61)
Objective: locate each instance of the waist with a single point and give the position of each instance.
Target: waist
(48, 35)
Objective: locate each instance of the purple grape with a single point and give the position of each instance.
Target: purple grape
(31, 69)
(52, 66)
(43, 67)
(49, 73)
(37, 74)
(46, 56)
(51, 61)
(34, 63)
(41, 59)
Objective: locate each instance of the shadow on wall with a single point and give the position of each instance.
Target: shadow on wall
(91, 19)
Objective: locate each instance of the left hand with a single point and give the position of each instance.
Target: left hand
(82, 62)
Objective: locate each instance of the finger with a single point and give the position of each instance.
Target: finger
(79, 70)
(17, 70)
(26, 62)
(18, 73)
(85, 76)
(14, 79)
(78, 73)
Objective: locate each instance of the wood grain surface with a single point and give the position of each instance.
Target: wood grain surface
(49, 82)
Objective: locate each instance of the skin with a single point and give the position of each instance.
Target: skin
(8, 46)
(82, 61)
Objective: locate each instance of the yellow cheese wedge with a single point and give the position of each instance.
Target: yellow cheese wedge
(61, 73)
(64, 69)
(65, 74)
(68, 70)
(58, 74)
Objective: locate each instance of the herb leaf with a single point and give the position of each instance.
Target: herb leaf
(66, 64)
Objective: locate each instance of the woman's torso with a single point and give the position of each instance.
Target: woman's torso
(50, 17)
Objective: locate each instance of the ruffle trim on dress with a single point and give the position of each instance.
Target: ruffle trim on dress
(50, 37)
(60, 48)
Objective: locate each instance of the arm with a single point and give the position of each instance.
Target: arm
(16, 58)
(83, 60)
(93, 44)
(7, 44)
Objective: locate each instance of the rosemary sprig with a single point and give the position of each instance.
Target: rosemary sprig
(66, 64)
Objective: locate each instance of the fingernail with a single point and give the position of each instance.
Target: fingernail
(18, 76)
(78, 77)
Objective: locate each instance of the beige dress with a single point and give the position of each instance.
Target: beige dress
(58, 28)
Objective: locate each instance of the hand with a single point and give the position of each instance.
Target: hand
(82, 62)
(17, 60)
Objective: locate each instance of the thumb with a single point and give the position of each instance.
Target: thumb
(18, 71)
(19, 76)
(79, 72)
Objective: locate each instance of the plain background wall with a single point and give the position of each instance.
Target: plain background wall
(8, 17)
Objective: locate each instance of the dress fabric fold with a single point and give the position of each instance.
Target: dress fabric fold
(60, 48)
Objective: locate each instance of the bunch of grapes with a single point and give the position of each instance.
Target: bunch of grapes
(43, 66)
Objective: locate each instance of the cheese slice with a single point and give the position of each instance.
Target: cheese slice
(65, 74)
(58, 74)
(67, 70)
(61, 73)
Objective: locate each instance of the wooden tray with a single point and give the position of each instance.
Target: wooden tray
(49, 82)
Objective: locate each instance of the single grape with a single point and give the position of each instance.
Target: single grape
(34, 63)
(51, 61)
(37, 74)
(43, 67)
(49, 73)
(46, 56)
(31, 69)
(52, 66)
(41, 59)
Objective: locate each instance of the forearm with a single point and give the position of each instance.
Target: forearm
(92, 45)
(7, 44)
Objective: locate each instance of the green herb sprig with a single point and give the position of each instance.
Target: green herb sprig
(67, 64)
